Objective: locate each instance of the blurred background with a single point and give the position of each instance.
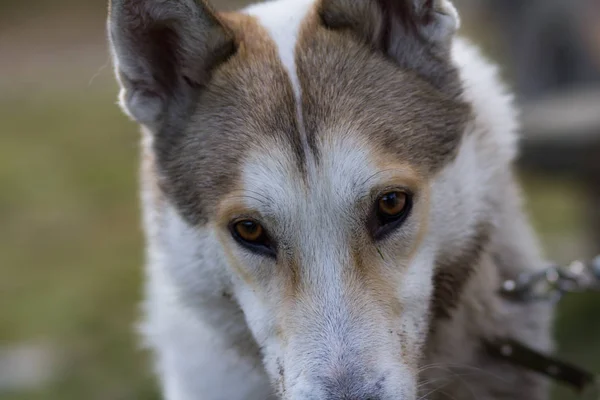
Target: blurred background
(70, 237)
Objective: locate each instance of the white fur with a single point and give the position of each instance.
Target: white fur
(315, 215)
(194, 331)
(282, 19)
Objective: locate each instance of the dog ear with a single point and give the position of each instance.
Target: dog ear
(416, 34)
(164, 51)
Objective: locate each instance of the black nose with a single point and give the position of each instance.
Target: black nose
(361, 398)
(350, 387)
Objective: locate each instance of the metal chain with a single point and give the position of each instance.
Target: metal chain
(553, 282)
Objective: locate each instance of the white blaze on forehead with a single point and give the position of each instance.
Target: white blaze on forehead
(345, 173)
(345, 160)
(282, 19)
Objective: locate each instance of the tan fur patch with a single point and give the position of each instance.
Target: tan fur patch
(233, 260)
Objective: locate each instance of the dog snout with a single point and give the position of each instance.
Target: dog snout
(354, 398)
(351, 387)
(350, 396)
(342, 396)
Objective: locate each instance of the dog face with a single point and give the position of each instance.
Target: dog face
(319, 148)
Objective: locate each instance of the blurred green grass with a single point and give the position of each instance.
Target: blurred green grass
(70, 243)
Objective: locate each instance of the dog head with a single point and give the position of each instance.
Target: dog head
(322, 149)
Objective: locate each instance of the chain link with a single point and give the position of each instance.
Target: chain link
(553, 282)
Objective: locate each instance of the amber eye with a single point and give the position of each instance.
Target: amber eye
(249, 231)
(252, 235)
(392, 204)
(391, 209)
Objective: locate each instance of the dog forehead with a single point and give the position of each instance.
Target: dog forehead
(343, 87)
(296, 91)
(275, 184)
(348, 88)
(354, 108)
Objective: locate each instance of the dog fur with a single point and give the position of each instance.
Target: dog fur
(298, 114)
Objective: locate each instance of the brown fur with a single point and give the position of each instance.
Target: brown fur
(352, 82)
(454, 272)
(248, 104)
(395, 28)
(357, 88)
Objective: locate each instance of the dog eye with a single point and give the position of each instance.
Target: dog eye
(249, 231)
(253, 236)
(390, 205)
(391, 209)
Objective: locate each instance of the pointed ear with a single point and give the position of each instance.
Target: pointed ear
(417, 34)
(163, 53)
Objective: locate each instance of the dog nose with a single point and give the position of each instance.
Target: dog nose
(343, 397)
(350, 387)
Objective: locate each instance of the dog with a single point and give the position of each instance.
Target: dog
(329, 201)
